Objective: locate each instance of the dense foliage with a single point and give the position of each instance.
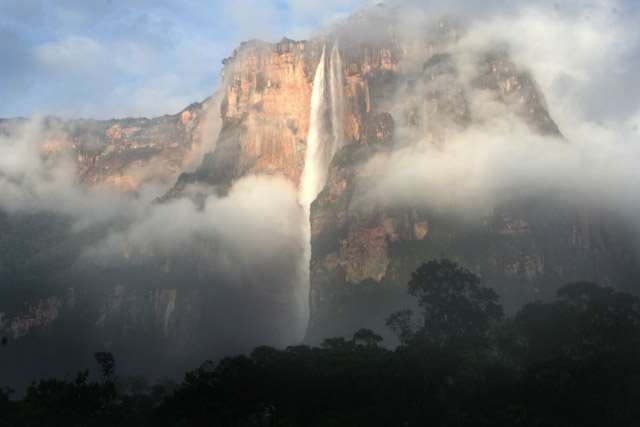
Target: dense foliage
(574, 361)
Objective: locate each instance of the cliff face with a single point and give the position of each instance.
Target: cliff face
(266, 109)
(123, 154)
(395, 93)
(265, 115)
(384, 93)
(365, 250)
(39, 250)
(257, 123)
(267, 101)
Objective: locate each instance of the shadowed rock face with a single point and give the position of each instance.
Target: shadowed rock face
(39, 250)
(364, 251)
(396, 92)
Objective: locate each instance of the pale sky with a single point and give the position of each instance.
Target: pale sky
(114, 58)
(118, 58)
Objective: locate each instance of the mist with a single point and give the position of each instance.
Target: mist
(230, 262)
(581, 56)
(241, 252)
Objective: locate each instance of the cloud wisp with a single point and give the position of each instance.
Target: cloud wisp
(243, 245)
(580, 57)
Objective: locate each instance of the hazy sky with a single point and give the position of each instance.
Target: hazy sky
(114, 58)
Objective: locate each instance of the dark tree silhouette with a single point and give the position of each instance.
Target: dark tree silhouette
(571, 362)
(367, 338)
(107, 364)
(404, 324)
(455, 307)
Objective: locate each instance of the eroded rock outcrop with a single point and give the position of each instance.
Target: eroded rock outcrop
(123, 154)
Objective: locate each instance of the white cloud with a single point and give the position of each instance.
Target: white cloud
(575, 54)
(484, 165)
(248, 242)
(572, 54)
(36, 179)
(72, 54)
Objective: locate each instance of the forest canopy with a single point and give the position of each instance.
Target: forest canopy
(574, 361)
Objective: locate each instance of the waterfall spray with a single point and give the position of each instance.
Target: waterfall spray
(313, 176)
(321, 148)
(310, 184)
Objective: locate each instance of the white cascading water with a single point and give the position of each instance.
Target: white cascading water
(320, 150)
(313, 177)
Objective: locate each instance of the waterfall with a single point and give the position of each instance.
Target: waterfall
(313, 175)
(321, 147)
